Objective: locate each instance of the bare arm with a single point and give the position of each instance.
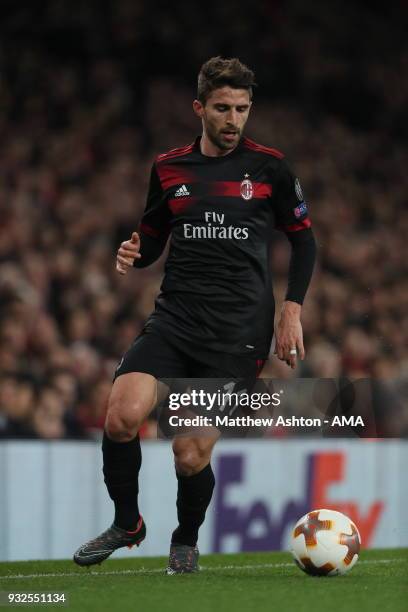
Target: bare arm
(289, 334)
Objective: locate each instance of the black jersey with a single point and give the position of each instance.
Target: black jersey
(220, 213)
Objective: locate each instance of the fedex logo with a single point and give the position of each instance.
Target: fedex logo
(323, 470)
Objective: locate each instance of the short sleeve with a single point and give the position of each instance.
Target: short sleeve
(291, 210)
(156, 217)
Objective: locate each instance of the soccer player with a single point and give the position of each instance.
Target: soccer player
(218, 199)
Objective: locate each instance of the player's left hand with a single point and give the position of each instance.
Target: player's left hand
(289, 335)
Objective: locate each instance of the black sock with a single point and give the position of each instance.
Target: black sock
(121, 465)
(193, 497)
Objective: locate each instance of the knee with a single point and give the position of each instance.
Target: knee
(190, 459)
(122, 421)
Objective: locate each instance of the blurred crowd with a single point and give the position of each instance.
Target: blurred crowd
(88, 97)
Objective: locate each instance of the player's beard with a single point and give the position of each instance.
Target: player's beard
(216, 137)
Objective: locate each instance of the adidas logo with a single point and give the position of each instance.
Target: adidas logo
(182, 191)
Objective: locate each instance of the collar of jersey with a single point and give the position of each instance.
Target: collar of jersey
(217, 158)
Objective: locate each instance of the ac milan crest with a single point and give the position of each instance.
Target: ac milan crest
(247, 188)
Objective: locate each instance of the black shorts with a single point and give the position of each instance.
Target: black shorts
(183, 367)
(165, 357)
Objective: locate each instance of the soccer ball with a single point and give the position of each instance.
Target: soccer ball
(325, 543)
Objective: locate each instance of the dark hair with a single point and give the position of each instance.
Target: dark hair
(218, 72)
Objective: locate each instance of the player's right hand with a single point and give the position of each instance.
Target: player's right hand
(127, 253)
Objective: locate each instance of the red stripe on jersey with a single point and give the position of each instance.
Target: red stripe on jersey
(178, 205)
(170, 157)
(175, 153)
(172, 175)
(259, 365)
(297, 226)
(149, 231)
(250, 144)
(233, 189)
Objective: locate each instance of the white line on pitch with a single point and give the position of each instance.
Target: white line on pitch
(160, 571)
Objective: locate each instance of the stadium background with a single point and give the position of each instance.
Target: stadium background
(91, 91)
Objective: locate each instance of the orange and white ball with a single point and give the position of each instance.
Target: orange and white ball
(325, 543)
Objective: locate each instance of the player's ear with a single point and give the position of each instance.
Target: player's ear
(198, 108)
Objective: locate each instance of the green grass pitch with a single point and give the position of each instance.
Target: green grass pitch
(227, 583)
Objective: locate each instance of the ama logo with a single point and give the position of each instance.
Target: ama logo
(323, 470)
